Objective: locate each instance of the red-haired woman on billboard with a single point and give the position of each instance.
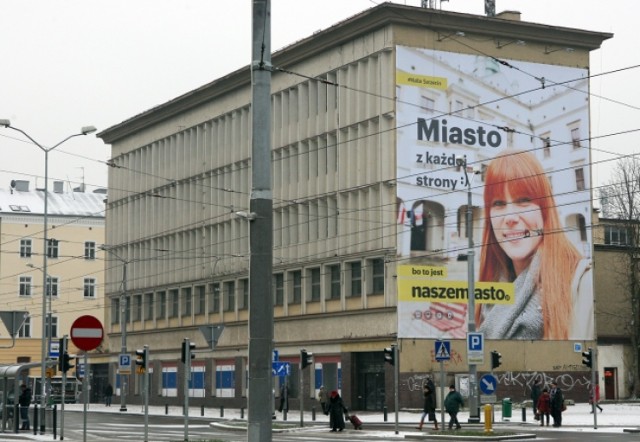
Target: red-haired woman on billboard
(524, 243)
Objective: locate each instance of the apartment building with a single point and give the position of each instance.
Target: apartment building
(75, 283)
(370, 118)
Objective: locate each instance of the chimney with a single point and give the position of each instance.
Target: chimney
(58, 187)
(20, 185)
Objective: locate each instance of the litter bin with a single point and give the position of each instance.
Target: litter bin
(506, 408)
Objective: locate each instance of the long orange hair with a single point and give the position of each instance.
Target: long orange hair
(521, 174)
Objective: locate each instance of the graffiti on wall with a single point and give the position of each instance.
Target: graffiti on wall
(566, 381)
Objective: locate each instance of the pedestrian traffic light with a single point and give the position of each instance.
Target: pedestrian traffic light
(142, 360)
(187, 351)
(587, 358)
(495, 359)
(390, 355)
(306, 358)
(66, 362)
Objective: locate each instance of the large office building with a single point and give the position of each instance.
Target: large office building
(383, 127)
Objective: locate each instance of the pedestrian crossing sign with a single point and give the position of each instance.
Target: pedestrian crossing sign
(443, 351)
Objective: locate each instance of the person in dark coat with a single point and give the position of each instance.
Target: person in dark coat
(284, 398)
(24, 400)
(429, 408)
(336, 410)
(557, 402)
(452, 404)
(544, 406)
(535, 394)
(108, 394)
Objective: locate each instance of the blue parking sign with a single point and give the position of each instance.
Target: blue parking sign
(475, 342)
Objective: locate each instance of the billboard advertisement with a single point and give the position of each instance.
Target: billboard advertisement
(512, 138)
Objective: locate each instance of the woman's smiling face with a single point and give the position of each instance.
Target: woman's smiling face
(518, 227)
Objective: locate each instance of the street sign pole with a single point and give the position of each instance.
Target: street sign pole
(85, 396)
(61, 352)
(145, 385)
(442, 393)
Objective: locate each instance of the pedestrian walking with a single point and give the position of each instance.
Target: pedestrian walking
(544, 406)
(24, 400)
(557, 404)
(108, 395)
(322, 398)
(429, 408)
(536, 391)
(336, 410)
(284, 398)
(595, 392)
(452, 404)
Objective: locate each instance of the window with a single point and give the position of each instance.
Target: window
(89, 287)
(244, 283)
(315, 284)
(89, 250)
(187, 301)
(51, 326)
(334, 281)
(616, 236)
(161, 305)
(427, 104)
(278, 289)
(356, 278)
(52, 286)
(127, 309)
(214, 297)
(52, 248)
(580, 179)
(148, 306)
(377, 278)
(25, 286)
(296, 278)
(25, 330)
(174, 303)
(25, 248)
(229, 296)
(575, 137)
(137, 307)
(201, 297)
(115, 310)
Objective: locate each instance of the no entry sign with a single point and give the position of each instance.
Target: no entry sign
(87, 332)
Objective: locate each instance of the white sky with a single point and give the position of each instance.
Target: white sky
(71, 63)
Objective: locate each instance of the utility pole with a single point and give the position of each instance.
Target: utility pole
(474, 409)
(260, 230)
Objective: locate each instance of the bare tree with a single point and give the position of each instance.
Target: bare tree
(620, 201)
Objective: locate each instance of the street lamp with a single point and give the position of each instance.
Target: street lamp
(474, 410)
(123, 322)
(84, 131)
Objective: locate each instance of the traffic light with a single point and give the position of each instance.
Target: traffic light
(306, 358)
(390, 355)
(65, 364)
(495, 359)
(142, 360)
(587, 358)
(187, 351)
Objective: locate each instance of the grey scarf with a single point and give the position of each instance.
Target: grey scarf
(523, 318)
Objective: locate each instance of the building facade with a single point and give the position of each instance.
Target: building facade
(75, 267)
(346, 218)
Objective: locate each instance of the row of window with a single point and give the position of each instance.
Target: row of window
(53, 248)
(51, 324)
(227, 296)
(53, 283)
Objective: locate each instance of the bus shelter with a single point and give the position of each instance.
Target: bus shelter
(11, 376)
